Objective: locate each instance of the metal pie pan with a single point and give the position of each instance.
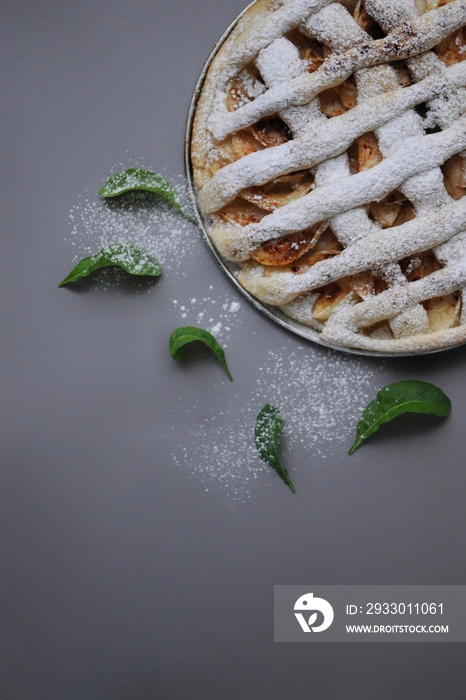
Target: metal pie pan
(230, 269)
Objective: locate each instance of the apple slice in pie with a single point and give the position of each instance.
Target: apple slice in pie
(329, 160)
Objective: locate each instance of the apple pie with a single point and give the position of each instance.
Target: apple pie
(329, 159)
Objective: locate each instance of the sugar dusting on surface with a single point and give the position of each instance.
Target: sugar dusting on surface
(320, 397)
(320, 394)
(212, 311)
(146, 221)
(139, 218)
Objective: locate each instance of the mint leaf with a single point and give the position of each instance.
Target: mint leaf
(401, 397)
(267, 435)
(128, 257)
(137, 179)
(188, 334)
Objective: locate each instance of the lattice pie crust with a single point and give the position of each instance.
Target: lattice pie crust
(328, 151)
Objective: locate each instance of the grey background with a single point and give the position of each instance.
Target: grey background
(120, 576)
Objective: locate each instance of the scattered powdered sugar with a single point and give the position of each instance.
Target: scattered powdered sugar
(151, 224)
(320, 397)
(139, 218)
(226, 460)
(213, 311)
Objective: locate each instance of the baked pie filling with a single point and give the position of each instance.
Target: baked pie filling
(329, 158)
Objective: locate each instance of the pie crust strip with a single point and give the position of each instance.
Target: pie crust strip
(339, 197)
(371, 253)
(393, 301)
(257, 33)
(319, 142)
(415, 156)
(415, 37)
(427, 190)
(347, 226)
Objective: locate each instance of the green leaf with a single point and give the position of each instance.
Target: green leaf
(128, 257)
(188, 334)
(137, 179)
(401, 397)
(267, 436)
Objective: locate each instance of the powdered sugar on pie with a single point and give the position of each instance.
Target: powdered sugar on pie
(328, 155)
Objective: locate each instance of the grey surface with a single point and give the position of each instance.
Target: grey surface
(120, 576)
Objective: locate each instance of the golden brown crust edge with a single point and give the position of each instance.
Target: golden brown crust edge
(203, 144)
(201, 141)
